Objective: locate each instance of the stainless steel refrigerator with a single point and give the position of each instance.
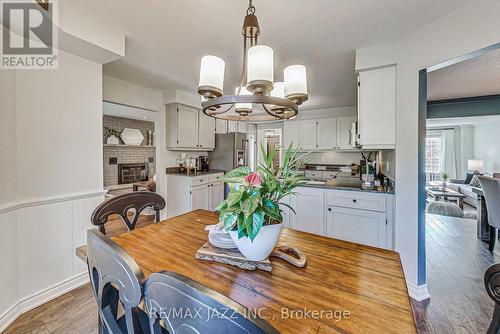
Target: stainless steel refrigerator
(231, 151)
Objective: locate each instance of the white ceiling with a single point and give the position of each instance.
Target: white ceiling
(457, 121)
(166, 39)
(474, 77)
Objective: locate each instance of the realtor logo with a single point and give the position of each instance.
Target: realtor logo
(29, 35)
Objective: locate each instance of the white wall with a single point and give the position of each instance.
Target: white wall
(465, 30)
(487, 145)
(51, 140)
(123, 92)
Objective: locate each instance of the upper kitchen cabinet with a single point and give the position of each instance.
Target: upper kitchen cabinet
(291, 134)
(206, 131)
(188, 128)
(333, 133)
(377, 108)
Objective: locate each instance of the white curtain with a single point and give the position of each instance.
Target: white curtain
(448, 153)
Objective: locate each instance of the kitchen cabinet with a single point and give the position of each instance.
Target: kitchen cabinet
(216, 194)
(326, 134)
(360, 226)
(206, 132)
(221, 126)
(309, 207)
(291, 134)
(344, 126)
(377, 108)
(331, 133)
(188, 193)
(232, 126)
(356, 216)
(200, 197)
(243, 127)
(307, 134)
(188, 128)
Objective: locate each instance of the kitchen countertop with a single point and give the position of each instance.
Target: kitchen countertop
(347, 188)
(212, 171)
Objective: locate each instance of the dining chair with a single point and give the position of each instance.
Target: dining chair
(122, 204)
(186, 306)
(491, 189)
(116, 279)
(492, 284)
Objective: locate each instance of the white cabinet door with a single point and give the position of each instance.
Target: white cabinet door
(327, 133)
(187, 126)
(377, 108)
(206, 134)
(200, 197)
(307, 134)
(232, 126)
(242, 127)
(285, 211)
(344, 126)
(220, 126)
(360, 226)
(291, 134)
(309, 204)
(216, 194)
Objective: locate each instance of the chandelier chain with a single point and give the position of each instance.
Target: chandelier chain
(251, 8)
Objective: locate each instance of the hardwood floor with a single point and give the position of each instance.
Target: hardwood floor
(456, 262)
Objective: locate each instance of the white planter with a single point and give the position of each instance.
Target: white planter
(263, 244)
(112, 140)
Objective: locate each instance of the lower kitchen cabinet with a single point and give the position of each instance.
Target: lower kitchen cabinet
(360, 226)
(356, 216)
(309, 206)
(188, 193)
(216, 194)
(200, 197)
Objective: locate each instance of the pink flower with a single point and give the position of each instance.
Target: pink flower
(253, 179)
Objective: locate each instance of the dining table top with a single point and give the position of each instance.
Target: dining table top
(344, 288)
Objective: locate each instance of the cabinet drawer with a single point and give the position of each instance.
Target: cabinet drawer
(216, 177)
(199, 180)
(357, 200)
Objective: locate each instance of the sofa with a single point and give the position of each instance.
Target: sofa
(463, 187)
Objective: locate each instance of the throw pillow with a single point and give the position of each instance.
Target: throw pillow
(468, 178)
(475, 182)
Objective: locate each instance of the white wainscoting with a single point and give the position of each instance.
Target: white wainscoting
(37, 250)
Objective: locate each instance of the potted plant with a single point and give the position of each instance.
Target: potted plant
(444, 176)
(251, 213)
(112, 136)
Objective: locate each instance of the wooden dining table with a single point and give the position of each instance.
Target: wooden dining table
(344, 288)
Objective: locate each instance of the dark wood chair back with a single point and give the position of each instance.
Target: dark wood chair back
(492, 284)
(115, 278)
(122, 204)
(189, 307)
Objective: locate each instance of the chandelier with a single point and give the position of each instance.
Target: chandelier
(279, 100)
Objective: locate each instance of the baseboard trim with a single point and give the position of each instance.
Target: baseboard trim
(48, 200)
(418, 292)
(41, 297)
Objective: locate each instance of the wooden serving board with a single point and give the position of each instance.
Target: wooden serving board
(230, 256)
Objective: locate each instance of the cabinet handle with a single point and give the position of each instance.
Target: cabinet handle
(330, 209)
(354, 201)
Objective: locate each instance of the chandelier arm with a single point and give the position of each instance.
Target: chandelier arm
(270, 112)
(219, 111)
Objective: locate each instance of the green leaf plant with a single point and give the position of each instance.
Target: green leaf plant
(254, 199)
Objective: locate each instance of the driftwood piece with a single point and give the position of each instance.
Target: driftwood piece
(232, 257)
(291, 255)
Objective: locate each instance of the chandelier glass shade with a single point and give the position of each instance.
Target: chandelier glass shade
(258, 97)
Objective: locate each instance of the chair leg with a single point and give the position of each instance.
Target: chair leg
(493, 232)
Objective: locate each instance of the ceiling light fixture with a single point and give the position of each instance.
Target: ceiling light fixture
(280, 100)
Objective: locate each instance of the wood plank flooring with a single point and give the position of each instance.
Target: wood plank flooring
(456, 262)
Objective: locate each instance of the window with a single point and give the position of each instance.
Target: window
(433, 155)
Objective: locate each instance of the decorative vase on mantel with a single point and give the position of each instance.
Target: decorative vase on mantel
(251, 213)
(112, 140)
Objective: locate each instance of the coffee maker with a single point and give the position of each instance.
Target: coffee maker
(202, 163)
